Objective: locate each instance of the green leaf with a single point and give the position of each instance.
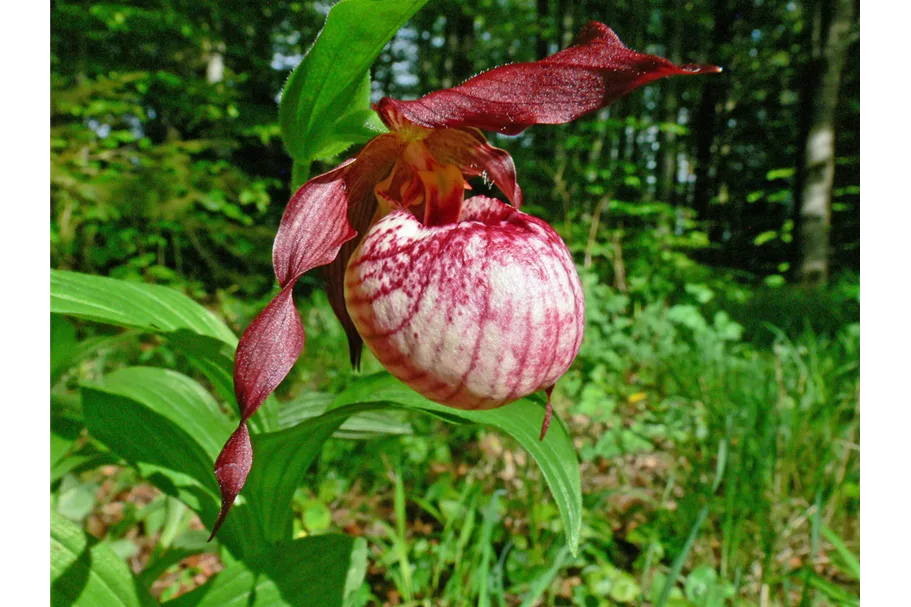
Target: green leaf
(677, 565)
(325, 101)
(372, 424)
(309, 571)
(543, 582)
(764, 237)
(187, 544)
(174, 397)
(169, 428)
(87, 457)
(87, 573)
(850, 563)
(282, 458)
(360, 426)
(703, 587)
(357, 571)
(522, 420)
(75, 500)
(67, 351)
(126, 304)
(302, 408)
(785, 173)
(280, 461)
(831, 590)
(207, 342)
(357, 126)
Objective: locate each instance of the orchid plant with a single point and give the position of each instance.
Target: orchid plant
(470, 302)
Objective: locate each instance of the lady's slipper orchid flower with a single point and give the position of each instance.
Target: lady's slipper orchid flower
(471, 303)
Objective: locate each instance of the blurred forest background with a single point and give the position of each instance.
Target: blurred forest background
(715, 223)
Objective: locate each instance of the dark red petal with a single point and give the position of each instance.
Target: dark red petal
(313, 229)
(372, 164)
(548, 413)
(314, 225)
(444, 191)
(231, 469)
(267, 350)
(468, 149)
(591, 74)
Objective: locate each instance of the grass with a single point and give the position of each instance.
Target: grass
(732, 478)
(720, 463)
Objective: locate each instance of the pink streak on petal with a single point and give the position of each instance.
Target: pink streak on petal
(593, 73)
(473, 315)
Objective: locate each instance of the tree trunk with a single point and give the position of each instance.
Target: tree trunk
(832, 24)
(713, 95)
(459, 41)
(542, 44)
(667, 178)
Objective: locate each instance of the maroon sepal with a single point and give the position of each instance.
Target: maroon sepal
(468, 149)
(314, 226)
(548, 413)
(313, 229)
(267, 350)
(372, 165)
(231, 469)
(593, 73)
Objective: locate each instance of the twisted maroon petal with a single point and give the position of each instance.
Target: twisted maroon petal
(468, 149)
(593, 73)
(314, 225)
(267, 350)
(313, 229)
(231, 469)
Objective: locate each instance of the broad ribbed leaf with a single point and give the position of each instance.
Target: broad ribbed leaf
(67, 351)
(169, 428)
(85, 573)
(191, 328)
(126, 304)
(360, 426)
(325, 103)
(521, 420)
(282, 459)
(299, 573)
(593, 73)
(140, 414)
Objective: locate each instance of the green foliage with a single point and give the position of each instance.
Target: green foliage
(301, 573)
(521, 420)
(84, 572)
(194, 331)
(326, 101)
(147, 172)
(714, 405)
(170, 429)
